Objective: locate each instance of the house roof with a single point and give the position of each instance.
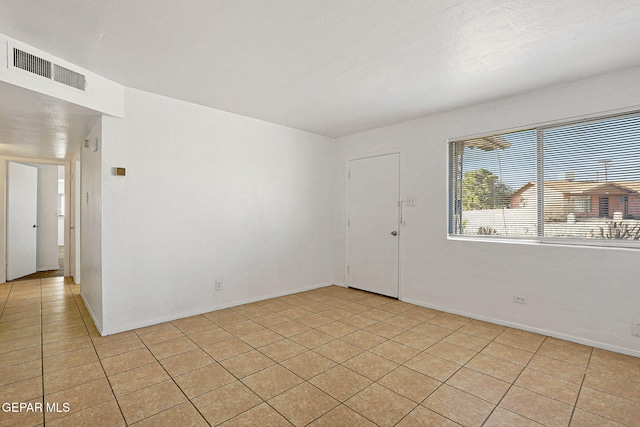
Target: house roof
(613, 188)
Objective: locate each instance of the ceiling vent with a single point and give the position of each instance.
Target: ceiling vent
(47, 69)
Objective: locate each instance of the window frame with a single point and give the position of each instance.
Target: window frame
(540, 238)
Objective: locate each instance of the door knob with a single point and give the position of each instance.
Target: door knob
(394, 233)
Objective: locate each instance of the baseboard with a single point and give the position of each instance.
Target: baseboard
(182, 315)
(57, 267)
(554, 334)
(93, 316)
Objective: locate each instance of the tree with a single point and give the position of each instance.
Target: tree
(482, 190)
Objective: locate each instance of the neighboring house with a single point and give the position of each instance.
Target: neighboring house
(585, 199)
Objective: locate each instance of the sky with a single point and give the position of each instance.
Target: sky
(582, 149)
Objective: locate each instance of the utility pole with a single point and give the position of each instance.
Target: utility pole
(605, 164)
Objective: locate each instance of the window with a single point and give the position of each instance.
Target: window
(578, 182)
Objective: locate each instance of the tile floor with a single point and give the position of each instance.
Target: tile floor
(328, 357)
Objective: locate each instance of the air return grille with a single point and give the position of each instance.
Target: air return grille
(33, 64)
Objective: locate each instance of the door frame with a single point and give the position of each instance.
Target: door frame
(3, 208)
(368, 155)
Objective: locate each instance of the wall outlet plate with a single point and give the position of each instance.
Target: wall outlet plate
(635, 328)
(520, 299)
(218, 285)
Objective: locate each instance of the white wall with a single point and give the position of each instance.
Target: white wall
(91, 225)
(47, 235)
(208, 195)
(588, 295)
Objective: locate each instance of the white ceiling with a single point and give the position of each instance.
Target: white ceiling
(333, 67)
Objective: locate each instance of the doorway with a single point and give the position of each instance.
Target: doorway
(35, 250)
(373, 220)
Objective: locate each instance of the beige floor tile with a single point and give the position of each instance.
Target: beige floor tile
(340, 382)
(342, 416)
(165, 349)
(467, 341)
(308, 364)
(385, 330)
(21, 391)
(251, 311)
(409, 383)
(449, 321)
(488, 331)
(363, 339)
(289, 328)
(79, 397)
(453, 353)
(210, 336)
(370, 365)
(97, 340)
(65, 334)
(606, 405)
(18, 357)
(336, 313)
(224, 317)
(312, 338)
(23, 371)
(614, 385)
(565, 354)
(125, 345)
(314, 320)
(336, 329)
(226, 349)
(270, 320)
(414, 339)
(226, 402)
(380, 405)
(183, 415)
(402, 321)
(186, 362)
(20, 343)
(583, 418)
(282, 350)
(518, 342)
(396, 307)
(433, 331)
(261, 338)
(363, 322)
(27, 419)
(106, 414)
(65, 346)
(244, 327)
(557, 368)
(537, 407)
(125, 361)
(422, 416)
(303, 404)
(247, 363)
(150, 401)
(507, 353)
(69, 360)
(271, 381)
(433, 366)
(480, 385)
(138, 378)
(159, 333)
(204, 380)
(72, 377)
(261, 415)
(503, 418)
(376, 314)
(394, 351)
(194, 324)
(458, 406)
(295, 313)
(338, 350)
(549, 386)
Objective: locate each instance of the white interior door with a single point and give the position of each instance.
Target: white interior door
(373, 224)
(22, 219)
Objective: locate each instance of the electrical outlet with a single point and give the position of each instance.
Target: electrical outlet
(218, 285)
(635, 328)
(520, 299)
